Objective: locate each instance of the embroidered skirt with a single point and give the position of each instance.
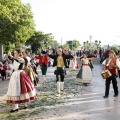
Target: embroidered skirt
(20, 89)
(84, 75)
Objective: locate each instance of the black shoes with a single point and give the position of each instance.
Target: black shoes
(85, 84)
(105, 96)
(115, 95)
(25, 107)
(16, 110)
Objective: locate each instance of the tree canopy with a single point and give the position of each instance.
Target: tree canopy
(16, 22)
(73, 44)
(40, 41)
(98, 43)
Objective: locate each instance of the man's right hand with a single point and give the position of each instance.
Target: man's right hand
(103, 67)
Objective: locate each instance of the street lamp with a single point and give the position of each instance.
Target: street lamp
(61, 42)
(90, 38)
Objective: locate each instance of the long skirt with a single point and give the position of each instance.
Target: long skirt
(73, 65)
(84, 75)
(20, 89)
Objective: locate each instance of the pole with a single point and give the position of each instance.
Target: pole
(61, 42)
(53, 45)
(90, 38)
(72, 45)
(1, 52)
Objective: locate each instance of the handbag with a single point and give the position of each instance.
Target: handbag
(106, 74)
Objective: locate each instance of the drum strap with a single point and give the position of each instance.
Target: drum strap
(108, 62)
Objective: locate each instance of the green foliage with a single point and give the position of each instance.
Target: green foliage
(66, 46)
(115, 49)
(88, 46)
(73, 44)
(16, 22)
(8, 47)
(55, 44)
(40, 41)
(98, 44)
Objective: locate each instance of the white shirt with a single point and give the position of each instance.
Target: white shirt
(28, 58)
(117, 62)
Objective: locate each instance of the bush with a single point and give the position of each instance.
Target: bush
(115, 49)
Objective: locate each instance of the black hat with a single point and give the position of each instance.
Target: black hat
(85, 52)
(43, 52)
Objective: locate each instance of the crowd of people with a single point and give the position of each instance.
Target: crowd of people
(21, 69)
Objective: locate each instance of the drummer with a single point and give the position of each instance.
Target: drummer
(112, 64)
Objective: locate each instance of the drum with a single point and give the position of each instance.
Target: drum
(106, 74)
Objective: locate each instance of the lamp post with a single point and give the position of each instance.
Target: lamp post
(72, 45)
(61, 42)
(53, 45)
(90, 38)
(117, 40)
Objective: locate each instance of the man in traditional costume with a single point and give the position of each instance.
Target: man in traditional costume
(43, 62)
(112, 64)
(60, 63)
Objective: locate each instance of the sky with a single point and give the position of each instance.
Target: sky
(78, 19)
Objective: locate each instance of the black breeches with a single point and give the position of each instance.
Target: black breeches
(114, 83)
(61, 74)
(44, 70)
(3, 73)
(119, 73)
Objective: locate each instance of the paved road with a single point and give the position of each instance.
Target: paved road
(88, 104)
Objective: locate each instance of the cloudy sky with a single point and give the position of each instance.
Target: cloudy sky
(78, 19)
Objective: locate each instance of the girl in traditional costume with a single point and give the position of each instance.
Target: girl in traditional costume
(85, 74)
(20, 88)
(73, 64)
(30, 72)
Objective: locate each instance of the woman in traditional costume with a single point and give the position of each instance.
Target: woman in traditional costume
(73, 64)
(20, 88)
(85, 74)
(30, 72)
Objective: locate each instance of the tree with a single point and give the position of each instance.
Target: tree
(26, 25)
(40, 41)
(16, 22)
(66, 46)
(55, 44)
(115, 49)
(8, 47)
(98, 44)
(73, 44)
(87, 45)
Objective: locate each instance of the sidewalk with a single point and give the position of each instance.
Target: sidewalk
(79, 103)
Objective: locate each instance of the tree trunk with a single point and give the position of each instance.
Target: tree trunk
(1, 52)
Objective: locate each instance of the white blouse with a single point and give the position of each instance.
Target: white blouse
(117, 62)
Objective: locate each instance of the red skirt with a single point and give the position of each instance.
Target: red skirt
(27, 91)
